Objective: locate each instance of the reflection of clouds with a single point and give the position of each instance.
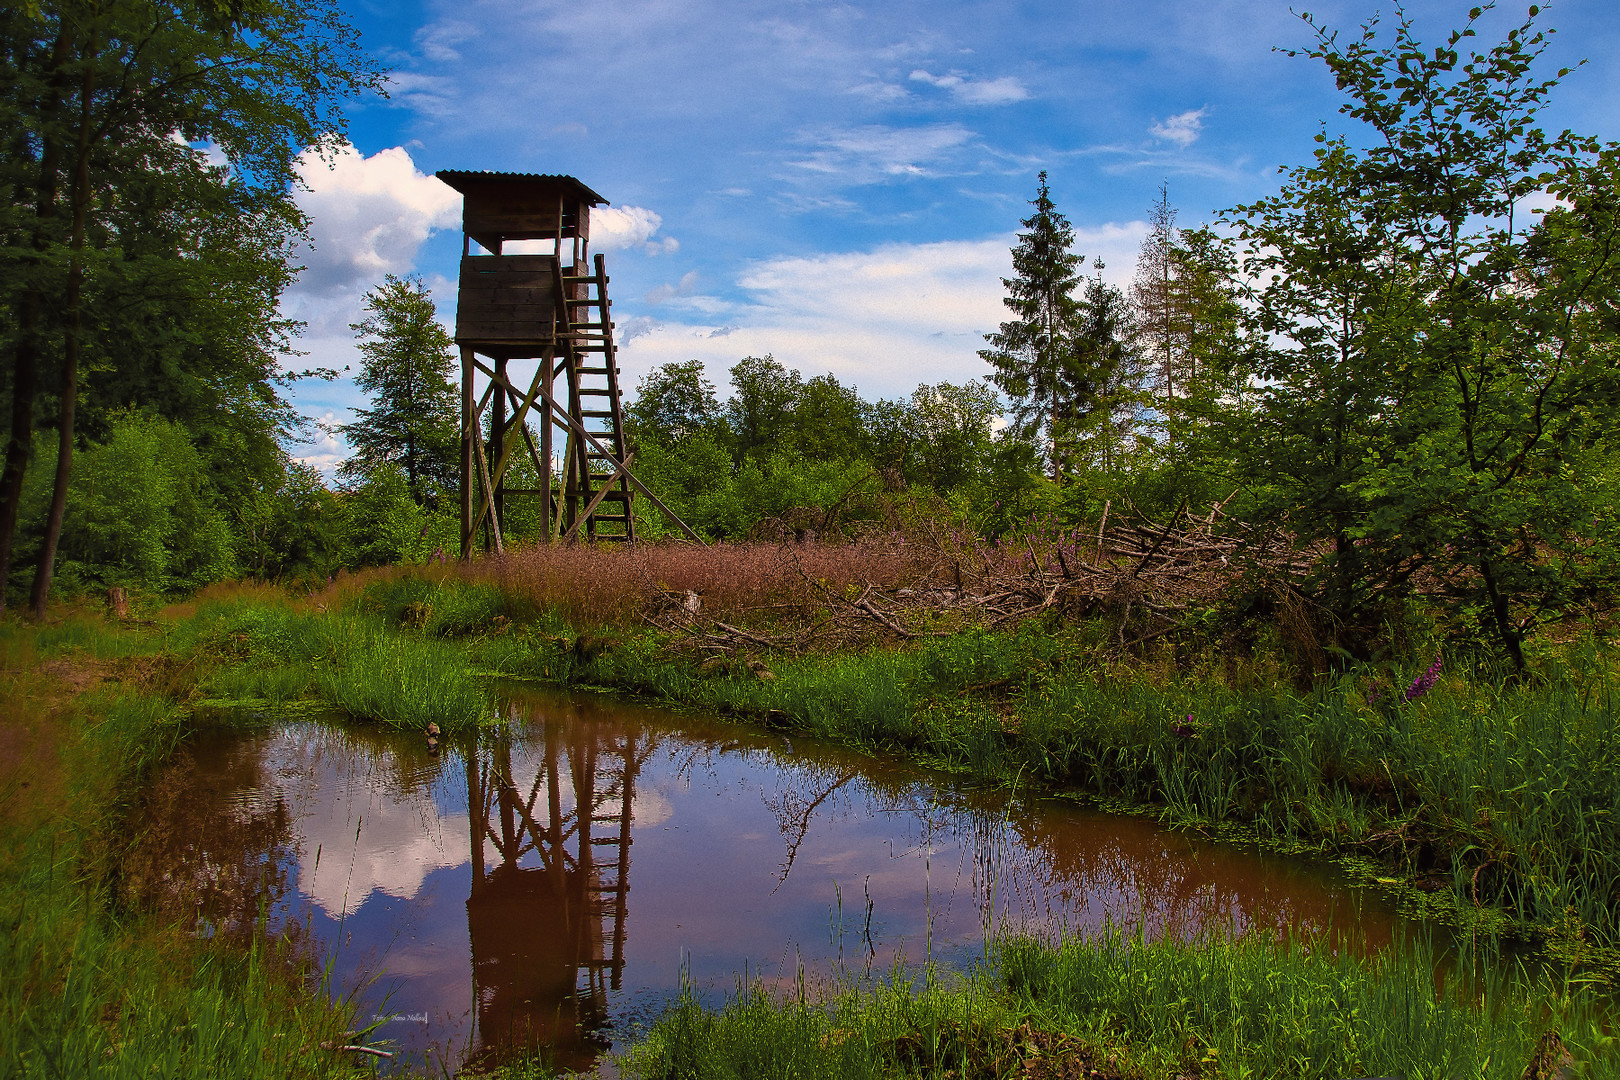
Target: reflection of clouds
(368, 817)
(392, 854)
(652, 807)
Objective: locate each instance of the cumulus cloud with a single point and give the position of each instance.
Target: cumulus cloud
(368, 216)
(1182, 129)
(622, 228)
(883, 320)
(1003, 91)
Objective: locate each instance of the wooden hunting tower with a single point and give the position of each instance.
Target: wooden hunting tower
(543, 307)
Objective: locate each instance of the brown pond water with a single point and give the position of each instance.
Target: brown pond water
(556, 882)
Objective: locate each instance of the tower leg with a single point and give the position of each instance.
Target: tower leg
(497, 442)
(469, 432)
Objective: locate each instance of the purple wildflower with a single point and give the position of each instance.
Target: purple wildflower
(1424, 682)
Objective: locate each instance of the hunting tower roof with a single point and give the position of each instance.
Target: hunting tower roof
(477, 182)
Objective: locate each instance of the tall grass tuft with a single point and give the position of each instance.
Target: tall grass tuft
(1117, 1005)
(401, 682)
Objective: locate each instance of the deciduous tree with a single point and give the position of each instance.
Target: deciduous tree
(1444, 365)
(95, 96)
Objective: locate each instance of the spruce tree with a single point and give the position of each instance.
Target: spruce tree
(1034, 358)
(406, 364)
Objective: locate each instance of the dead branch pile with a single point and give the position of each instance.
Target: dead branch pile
(1145, 575)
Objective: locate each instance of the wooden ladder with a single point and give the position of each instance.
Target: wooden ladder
(597, 493)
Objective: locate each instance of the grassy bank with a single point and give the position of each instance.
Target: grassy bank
(1116, 1006)
(1486, 796)
(93, 983)
(1482, 791)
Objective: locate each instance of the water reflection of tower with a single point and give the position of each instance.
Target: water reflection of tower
(546, 915)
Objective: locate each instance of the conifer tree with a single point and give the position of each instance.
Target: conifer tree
(406, 364)
(1033, 357)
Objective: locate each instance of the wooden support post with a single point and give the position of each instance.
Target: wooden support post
(602, 493)
(548, 508)
(497, 445)
(468, 434)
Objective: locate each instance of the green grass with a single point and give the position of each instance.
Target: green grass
(403, 683)
(1503, 796)
(1124, 1006)
(272, 653)
(93, 986)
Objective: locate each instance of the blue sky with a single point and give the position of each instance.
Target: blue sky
(837, 184)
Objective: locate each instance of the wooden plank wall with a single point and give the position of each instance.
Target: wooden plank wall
(505, 298)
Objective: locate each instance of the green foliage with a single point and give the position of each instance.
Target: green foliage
(163, 297)
(388, 525)
(141, 512)
(760, 413)
(1444, 368)
(1034, 357)
(405, 365)
(672, 402)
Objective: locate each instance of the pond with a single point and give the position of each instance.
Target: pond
(557, 880)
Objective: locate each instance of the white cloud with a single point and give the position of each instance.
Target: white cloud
(438, 41)
(883, 320)
(1003, 91)
(368, 216)
(666, 292)
(1182, 129)
(620, 228)
(874, 152)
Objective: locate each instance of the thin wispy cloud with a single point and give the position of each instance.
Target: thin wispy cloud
(1003, 91)
(876, 152)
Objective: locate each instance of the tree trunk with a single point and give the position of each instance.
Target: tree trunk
(70, 351)
(25, 358)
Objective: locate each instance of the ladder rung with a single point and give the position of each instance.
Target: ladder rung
(599, 414)
(586, 391)
(596, 371)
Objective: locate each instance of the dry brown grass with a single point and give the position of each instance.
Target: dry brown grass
(891, 586)
(755, 582)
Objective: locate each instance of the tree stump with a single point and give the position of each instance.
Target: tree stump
(118, 602)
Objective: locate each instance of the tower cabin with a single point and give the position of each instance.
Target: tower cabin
(534, 327)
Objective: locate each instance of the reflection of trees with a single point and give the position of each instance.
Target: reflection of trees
(546, 915)
(795, 803)
(202, 851)
(1172, 883)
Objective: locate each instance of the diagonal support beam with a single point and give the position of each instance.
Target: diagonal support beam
(578, 427)
(596, 500)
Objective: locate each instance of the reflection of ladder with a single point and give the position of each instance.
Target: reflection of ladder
(611, 804)
(596, 490)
